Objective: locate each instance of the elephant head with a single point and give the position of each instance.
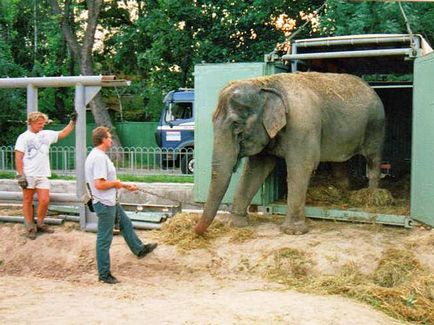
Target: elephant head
(248, 116)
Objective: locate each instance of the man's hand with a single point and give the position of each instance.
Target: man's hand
(22, 181)
(118, 184)
(73, 117)
(131, 187)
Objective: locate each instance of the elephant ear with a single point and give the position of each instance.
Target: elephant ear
(274, 114)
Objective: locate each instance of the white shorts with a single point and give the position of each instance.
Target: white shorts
(40, 182)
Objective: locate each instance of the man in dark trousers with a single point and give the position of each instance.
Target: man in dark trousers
(103, 183)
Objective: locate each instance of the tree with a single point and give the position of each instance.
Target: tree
(12, 115)
(82, 53)
(344, 18)
(171, 36)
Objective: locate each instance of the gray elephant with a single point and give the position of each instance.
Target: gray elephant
(304, 118)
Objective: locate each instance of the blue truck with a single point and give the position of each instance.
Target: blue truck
(175, 131)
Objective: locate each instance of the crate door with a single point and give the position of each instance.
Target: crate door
(422, 161)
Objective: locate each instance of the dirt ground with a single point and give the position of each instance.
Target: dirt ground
(53, 279)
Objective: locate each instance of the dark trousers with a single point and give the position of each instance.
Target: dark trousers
(106, 219)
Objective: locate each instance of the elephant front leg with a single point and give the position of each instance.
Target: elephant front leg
(298, 180)
(255, 171)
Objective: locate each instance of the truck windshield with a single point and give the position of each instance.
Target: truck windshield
(177, 111)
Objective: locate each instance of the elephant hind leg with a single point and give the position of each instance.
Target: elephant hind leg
(373, 149)
(373, 165)
(340, 174)
(373, 162)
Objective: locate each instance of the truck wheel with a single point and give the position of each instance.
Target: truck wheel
(163, 161)
(166, 164)
(187, 164)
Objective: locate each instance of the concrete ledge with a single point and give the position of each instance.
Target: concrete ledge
(149, 193)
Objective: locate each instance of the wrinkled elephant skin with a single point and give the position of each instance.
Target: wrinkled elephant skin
(304, 118)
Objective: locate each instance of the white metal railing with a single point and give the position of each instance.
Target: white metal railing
(127, 160)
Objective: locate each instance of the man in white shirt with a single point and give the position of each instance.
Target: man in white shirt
(33, 168)
(103, 183)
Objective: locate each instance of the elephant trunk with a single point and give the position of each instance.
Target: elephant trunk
(224, 160)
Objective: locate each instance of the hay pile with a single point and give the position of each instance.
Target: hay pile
(399, 286)
(240, 235)
(395, 268)
(392, 198)
(365, 197)
(325, 195)
(403, 287)
(256, 218)
(178, 231)
(289, 266)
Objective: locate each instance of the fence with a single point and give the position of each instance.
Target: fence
(127, 160)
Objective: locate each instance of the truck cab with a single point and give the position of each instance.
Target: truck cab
(175, 131)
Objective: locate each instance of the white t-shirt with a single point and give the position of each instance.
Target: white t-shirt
(98, 165)
(36, 147)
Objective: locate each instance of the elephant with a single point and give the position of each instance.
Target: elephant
(305, 118)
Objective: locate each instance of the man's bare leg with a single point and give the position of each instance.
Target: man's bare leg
(28, 212)
(43, 201)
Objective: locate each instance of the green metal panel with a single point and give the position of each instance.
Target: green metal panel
(422, 166)
(345, 215)
(132, 134)
(209, 79)
(70, 139)
(137, 134)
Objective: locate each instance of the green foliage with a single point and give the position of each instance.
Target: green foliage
(346, 18)
(30, 45)
(170, 37)
(13, 100)
(12, 115)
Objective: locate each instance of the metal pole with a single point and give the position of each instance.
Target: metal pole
(347, 54)
(80, 140)
(50, 221)
(54, 197)
(92, 227)
(41, 82)
(353, 41)
(32, 98)
(294, 64)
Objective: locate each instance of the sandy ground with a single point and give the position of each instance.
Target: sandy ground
(53, 278)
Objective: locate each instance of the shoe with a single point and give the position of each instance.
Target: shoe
(146, 250)
(31, 233)
(110, 279)
(44, 228)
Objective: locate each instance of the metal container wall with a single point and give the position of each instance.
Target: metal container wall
(422, 168)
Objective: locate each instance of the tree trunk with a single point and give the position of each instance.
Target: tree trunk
(83, 54)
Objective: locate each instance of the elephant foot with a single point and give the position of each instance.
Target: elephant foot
(294, 228)
(239, 221)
